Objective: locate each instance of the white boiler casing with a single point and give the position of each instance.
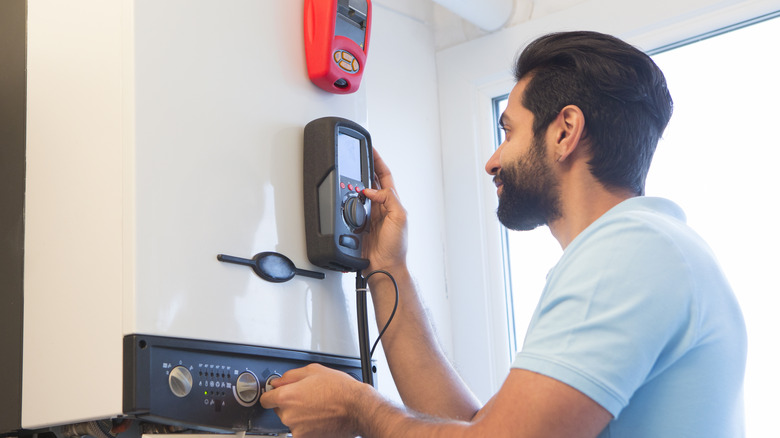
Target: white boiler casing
(160, 134)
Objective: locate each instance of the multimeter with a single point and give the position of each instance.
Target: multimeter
(338, 164)
(336, 34)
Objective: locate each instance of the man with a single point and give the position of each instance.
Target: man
(637, 332)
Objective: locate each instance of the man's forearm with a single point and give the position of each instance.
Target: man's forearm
(378, 418)
(425, 379)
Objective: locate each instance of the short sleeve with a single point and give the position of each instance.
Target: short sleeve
(616, 309)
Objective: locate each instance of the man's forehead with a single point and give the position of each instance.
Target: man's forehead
(516, 94)
(514, 105)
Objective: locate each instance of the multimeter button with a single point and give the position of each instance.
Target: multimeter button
(355, 65)
(349, 186)
(343, 186)
(346, 65)
(337, 56)
(347, 56)
(348, 241)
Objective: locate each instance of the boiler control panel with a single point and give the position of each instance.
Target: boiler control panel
(208, 385)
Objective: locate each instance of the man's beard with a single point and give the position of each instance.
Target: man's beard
(530, 195)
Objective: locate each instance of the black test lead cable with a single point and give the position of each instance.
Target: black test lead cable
(362, 322)
(362, 317)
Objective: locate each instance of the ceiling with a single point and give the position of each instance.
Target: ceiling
(451, 28)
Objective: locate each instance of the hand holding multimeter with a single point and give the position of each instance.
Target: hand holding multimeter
(337, 166)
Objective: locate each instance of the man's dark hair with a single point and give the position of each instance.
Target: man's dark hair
(619, 89)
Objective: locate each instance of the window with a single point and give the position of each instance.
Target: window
(718, 161)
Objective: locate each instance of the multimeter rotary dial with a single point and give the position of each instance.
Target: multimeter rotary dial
(355, 213)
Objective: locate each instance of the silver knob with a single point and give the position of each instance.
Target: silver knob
(247, 388)
(268, 381)
(180, 381)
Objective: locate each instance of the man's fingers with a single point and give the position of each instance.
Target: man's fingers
(386, 197)
(270, 399)
(295, 374)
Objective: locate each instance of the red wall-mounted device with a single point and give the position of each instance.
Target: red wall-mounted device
(336, 34)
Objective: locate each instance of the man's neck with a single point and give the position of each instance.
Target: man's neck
(583, 205)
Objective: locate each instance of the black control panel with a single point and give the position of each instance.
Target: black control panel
(209, 385)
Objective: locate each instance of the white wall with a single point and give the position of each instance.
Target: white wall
(403, 118)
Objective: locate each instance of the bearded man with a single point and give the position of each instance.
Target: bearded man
(637, 332)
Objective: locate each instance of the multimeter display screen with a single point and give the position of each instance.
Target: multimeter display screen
(349, 156)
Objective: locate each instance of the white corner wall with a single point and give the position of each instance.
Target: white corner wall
(403, 118)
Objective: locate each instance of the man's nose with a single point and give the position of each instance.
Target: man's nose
(493, 165)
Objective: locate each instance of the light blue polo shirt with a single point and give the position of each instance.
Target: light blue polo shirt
(638, 316)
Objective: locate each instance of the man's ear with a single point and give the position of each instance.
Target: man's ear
(569, 131)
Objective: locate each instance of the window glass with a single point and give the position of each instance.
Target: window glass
(718, 161)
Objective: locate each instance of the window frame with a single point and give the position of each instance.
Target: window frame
(506, 256)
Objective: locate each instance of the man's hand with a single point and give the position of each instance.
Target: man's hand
(315, 401)
(385, 245)
(409, 343)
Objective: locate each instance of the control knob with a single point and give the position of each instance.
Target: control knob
(271, 378)
(354, 213)
(247, 389)
(180, 381)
